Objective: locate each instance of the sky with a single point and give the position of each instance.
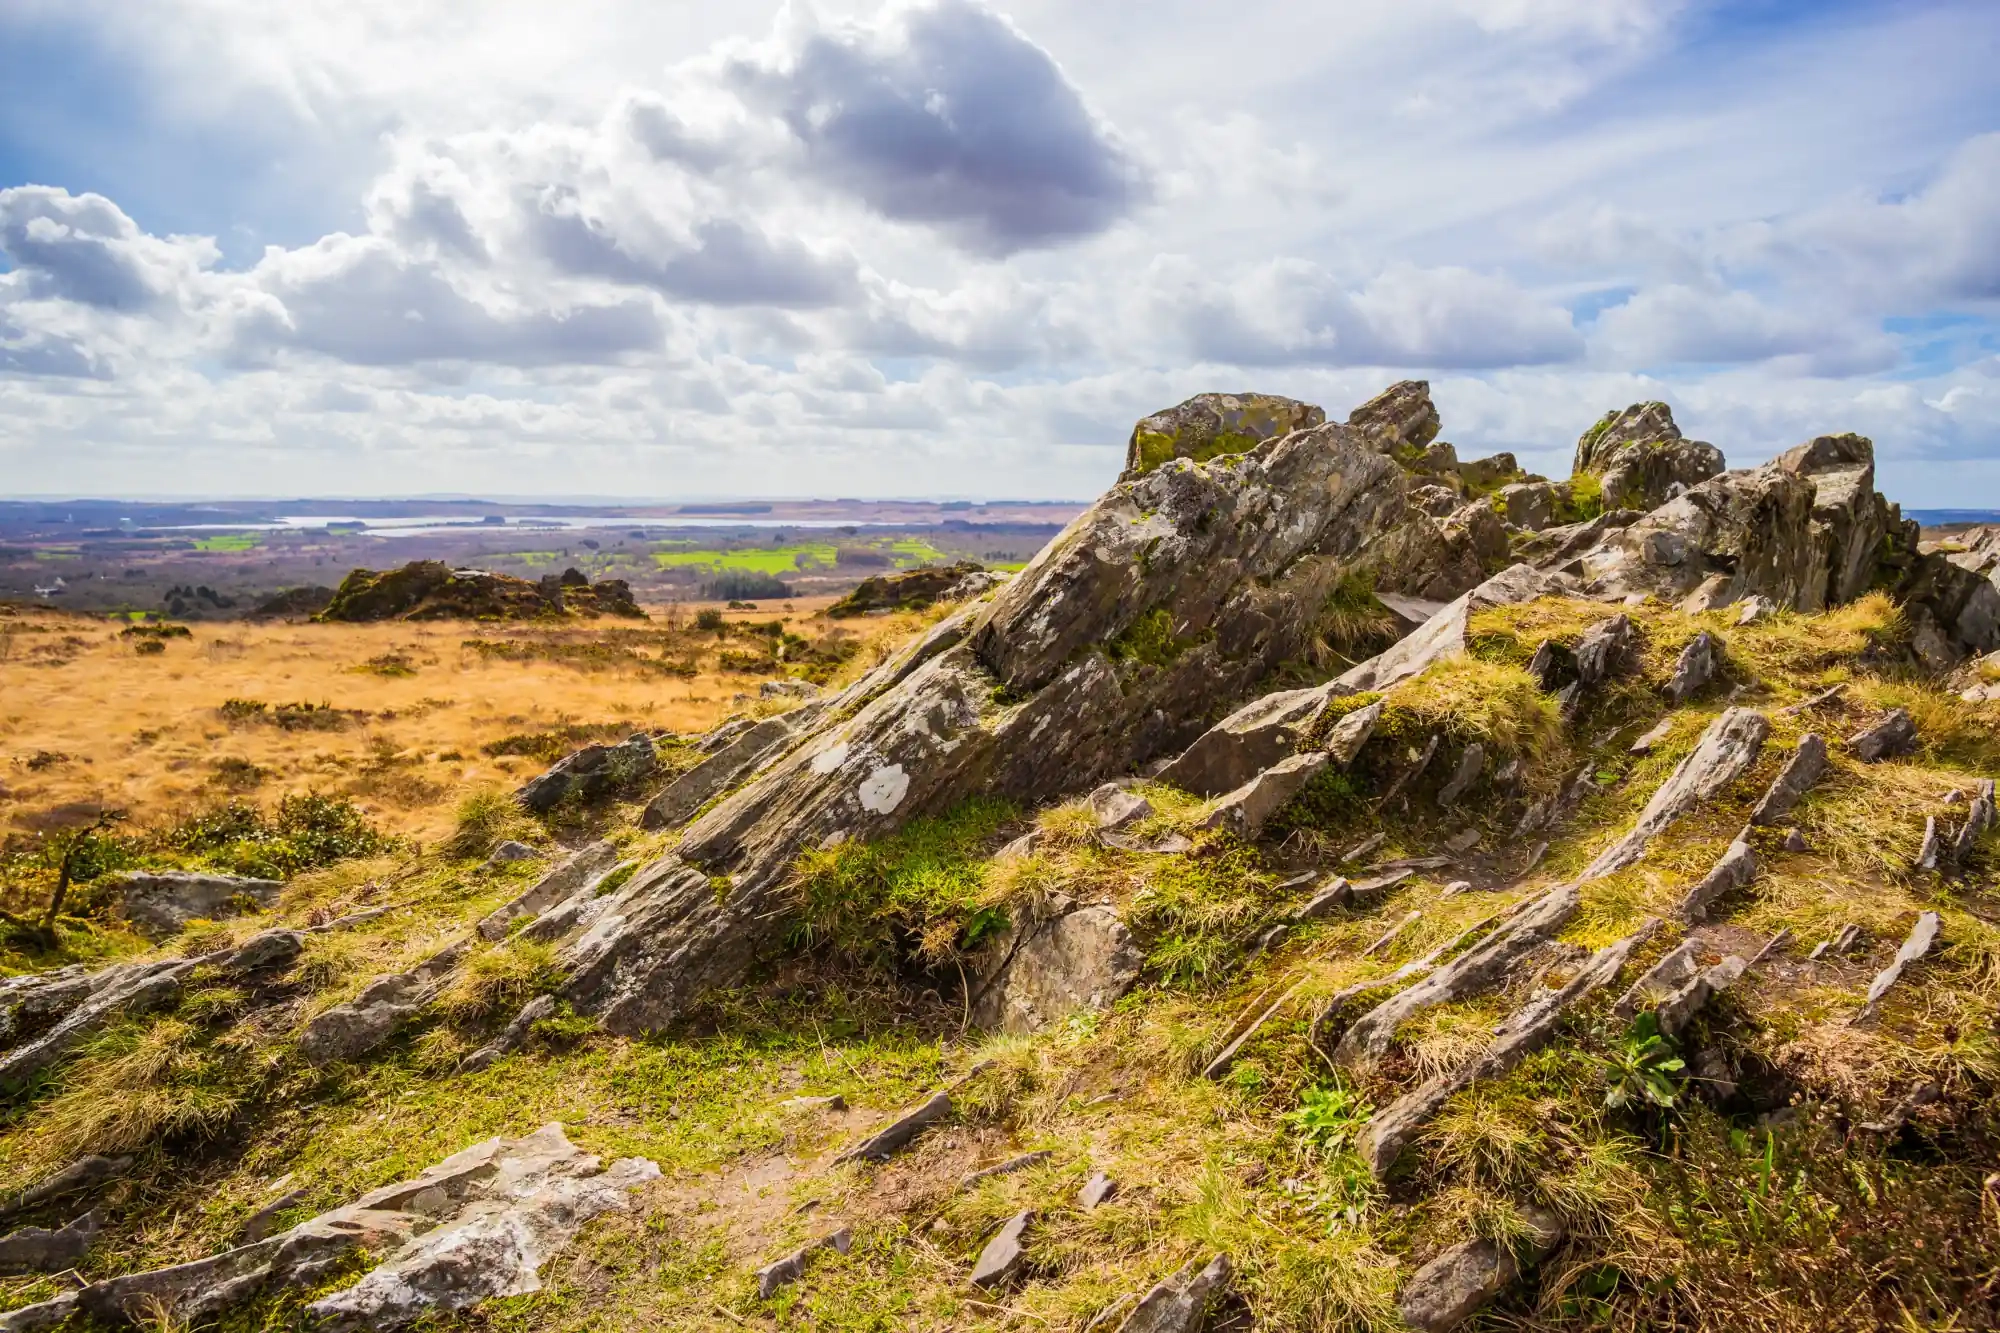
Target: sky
(661, 249)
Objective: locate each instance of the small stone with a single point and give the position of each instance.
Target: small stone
(802, 1104)
(1645, 744)
(1891, 736)
(39, 1250)
(1795, 841)
(1471, 765)
(1003, 1258)
(1335, 893)
(511, 851)
(1114, 807)
(900, 1132)
(1695, 667)
(1464, 840)
(1008, 1167)
(1097, 1190)
(266, 951)
(1755, 609)
(773, 1277)
(1954, 797)
(1456, 887)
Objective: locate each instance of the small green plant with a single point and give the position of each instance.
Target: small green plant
(1640, 1069)
(1329, 1116)
(485, 815)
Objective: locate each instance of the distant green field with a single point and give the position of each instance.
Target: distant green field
(753, 560)
(790, 559)
(227, 541)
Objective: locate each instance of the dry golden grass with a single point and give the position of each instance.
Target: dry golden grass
(143, 732)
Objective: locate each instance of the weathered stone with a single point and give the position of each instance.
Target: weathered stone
(1334, 893)
(774, 1277)
(1004, 1258)
(1641, 459)
(1677, 1010)
(1800, 775)
(1212, 424)
(534, 1197)
(1041, 969)
(42, 1315)
(81, 1176)
(1736, 867)
(1978, 819)
(787, 689)
(1930, 854)
(1245, 810)
(127, 988)
(488, 1217)
(1795, 841)
(1349, 734)
(159, 903)
(1220, 570)
(509, 851)
(1247, 742)
(1452, 1287)
(1553, 666)
(40, 1250)
(899, 1133)
(1922, 936)
(1114, 808)
(1181, 1303)
(573, 873)
(1437, 501)
(512, 1037)
(748, 750)
(349, 1031)
(1419, 761)
(1660, 731)
(593, 771)
(266, 951)
(911, 590)
(1443, 636)
(1533, 505)
(1754, 609)
(1471, 767)
(1479, 968)
(1401, 420)
(1891, 736)
(1660, 980)
(1515, 1038)
(1725, 752)
(1007, 1168)
(1606, 650)
(264, 1221)
(1694, 668)
(1096, 1191)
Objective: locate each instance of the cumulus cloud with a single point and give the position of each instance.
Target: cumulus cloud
(1673, 322)
(943, 112)
(1296, 312)
(359, 300)
(84, 248)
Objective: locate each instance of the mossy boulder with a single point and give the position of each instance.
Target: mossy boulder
(1209, 425)
(433, 590)
(910, 591)
(1641, 460)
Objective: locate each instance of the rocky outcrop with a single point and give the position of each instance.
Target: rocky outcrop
(1891, 736)
(46, 1250)
(1210, 425)
(913, 590)
(1247, 742)
(1244, 811)
(1640, 459)
(590, 773)
(1175, 596)
(159, 903)
(1051, 963)
(1799, 776)
(580, 870)
(432, 590)
(477, 1225)
(1530, 505)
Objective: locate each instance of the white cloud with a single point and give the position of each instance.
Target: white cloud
(932, 247)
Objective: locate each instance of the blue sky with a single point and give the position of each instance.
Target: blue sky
(945, 248)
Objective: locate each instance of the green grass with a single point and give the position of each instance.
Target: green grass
(772, 560)
(227, 541)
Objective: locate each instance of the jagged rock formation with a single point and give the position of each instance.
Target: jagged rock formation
(477, 1225)
(159, 903)
(1181, 588)
(1212, 424)
(912, 590)
(432, 590)
(590, 773)
(1640, 459)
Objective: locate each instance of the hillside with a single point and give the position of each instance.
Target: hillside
(1335, 885)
